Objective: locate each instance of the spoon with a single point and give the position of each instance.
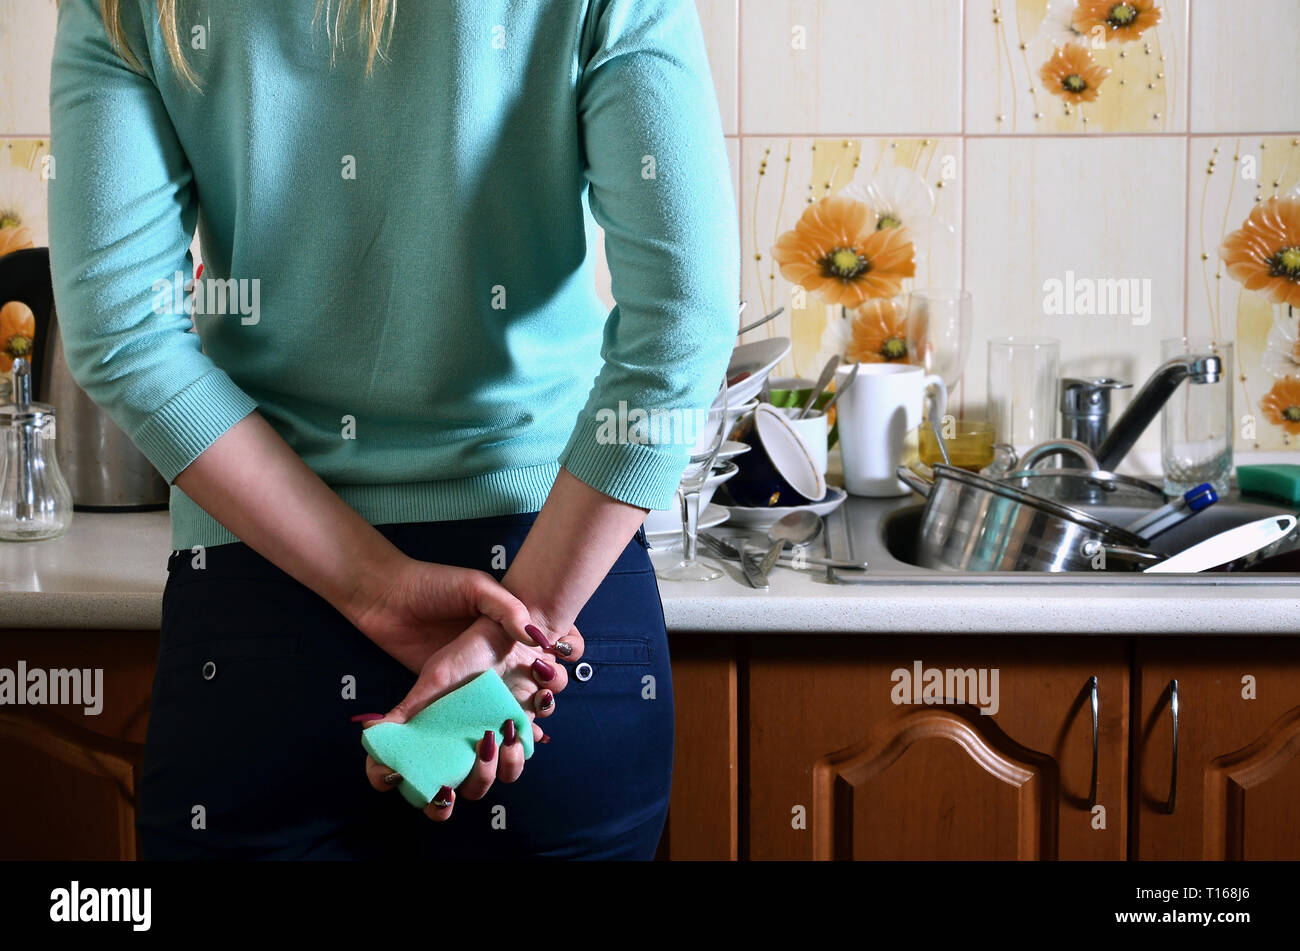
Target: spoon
(840, 391)
(823, 381)
(761, 321)
(797, 528)
(936, 425)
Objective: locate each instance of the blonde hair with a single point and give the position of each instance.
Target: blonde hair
(375, 16)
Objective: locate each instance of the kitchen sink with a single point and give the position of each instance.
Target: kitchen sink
(884, 532)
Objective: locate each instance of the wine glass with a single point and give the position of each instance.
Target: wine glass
(938, 332)
(693, 478)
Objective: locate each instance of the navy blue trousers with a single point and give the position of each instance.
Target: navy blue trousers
(250, 752)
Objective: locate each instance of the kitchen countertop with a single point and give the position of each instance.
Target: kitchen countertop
(108, 571)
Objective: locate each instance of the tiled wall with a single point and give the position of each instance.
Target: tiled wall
(826, 93)
(1196, 123)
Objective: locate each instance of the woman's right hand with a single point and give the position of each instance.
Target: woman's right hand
(424, 606)
(533, 678)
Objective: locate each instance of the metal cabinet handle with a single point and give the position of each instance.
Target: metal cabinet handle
(1092, 687)
(1173, 769)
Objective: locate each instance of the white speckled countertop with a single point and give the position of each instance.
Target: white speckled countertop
(108, 572)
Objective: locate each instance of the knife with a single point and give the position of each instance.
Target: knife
(749, 567)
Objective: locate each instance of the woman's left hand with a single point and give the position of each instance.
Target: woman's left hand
(534, 678)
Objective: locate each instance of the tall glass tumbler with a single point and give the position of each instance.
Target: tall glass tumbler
(1023, 402)
(1197, 426)
(938, 332)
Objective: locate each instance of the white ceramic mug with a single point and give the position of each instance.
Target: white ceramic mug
(874, 417)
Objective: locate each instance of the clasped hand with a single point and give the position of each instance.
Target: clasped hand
(448, 625)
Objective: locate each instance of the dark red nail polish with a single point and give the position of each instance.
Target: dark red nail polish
(544, 739)
(443, 797)
(548, 699)
(508, 734)
(488, 748)
(535, 632)
(543, 669)
(365, 717)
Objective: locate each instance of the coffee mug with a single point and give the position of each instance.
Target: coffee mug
(875, 415)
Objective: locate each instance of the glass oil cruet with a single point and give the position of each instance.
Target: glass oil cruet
(34, 499)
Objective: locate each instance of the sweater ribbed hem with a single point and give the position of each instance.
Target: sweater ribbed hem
(191, 421)
(641, 474)
(508, 492)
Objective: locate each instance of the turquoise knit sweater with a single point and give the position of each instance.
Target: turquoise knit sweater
(398, 270)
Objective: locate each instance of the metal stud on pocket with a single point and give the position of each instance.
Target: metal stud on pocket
(583, 671)
(209, 670)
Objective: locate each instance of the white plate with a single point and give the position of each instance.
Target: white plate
(758, 359)
(748, 517)
(711, 517)
(730, 449)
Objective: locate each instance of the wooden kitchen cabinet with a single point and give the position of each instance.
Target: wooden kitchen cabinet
(1236, 793)
(70, 780)
(834, 768)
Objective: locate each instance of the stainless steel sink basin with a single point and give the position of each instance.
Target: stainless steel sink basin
(884, 532)
(899, 528)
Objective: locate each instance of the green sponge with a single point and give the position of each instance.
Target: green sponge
(435, 748)
(1280, 481)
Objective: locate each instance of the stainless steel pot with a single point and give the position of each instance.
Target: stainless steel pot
(973, 523)
(104, 469)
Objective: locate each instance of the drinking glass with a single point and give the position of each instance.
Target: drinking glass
(693, 478)
(1024, 374)
(1196, 426)
(938, 332)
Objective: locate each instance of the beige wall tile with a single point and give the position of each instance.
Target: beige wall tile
(26, 48)
(775, 192)
(865, 67)
(1229, 176)
(1100, 209)
(1009, 41)
(720, 20)
(22, 189)
(1245, 75)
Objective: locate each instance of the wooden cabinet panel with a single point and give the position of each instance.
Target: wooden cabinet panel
(71, 778)
(1237, 782)
(703, 814)
(837, 769)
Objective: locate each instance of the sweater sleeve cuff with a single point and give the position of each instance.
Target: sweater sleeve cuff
(191, 421)
(639, 474)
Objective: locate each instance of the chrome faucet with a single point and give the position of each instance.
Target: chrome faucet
(1195, 367)
(1085, 409)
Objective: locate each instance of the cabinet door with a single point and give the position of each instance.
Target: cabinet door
(70, 776)
(1233, 791)
(839, 765)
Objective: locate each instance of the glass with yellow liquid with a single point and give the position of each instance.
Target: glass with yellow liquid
(969, 441)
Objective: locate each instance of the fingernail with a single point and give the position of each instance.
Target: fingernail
(535, 632)
(543, 669)
(508, 734)
(488, 748)
(443, 799)
(563, 648)
(392, 779)
(365, 717)
(548, 699)
(544, 738)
